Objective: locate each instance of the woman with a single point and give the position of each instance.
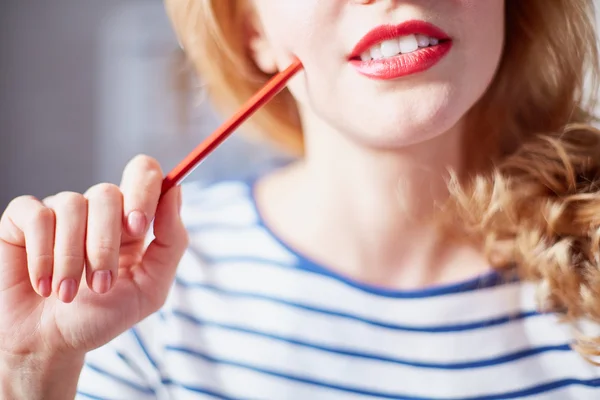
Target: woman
(364, 270)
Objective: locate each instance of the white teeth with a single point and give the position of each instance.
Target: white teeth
(402, 45)
(376, 53)
(423, 40)
(408, 44)
(390, 48)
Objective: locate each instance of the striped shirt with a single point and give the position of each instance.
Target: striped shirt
(250, 318)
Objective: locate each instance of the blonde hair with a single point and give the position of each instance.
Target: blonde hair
(533, 201)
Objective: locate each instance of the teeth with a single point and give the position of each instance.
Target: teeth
(376, 53)
(390, 48)
(423, 40)
(408, 44)
(402, 45)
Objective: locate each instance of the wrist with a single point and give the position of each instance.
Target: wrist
(39, 377)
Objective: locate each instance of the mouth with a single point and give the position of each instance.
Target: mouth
(393, 51)
(402, 45)
(391, 40)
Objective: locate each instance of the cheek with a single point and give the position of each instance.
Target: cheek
(483, 29)
(289, 25)
(302, 29)
(481, 42)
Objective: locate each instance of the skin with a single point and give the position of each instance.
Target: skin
(45, 335)
(375, 165)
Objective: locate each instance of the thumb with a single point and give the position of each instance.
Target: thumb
(162, 256)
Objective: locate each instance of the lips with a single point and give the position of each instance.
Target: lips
(393, 51)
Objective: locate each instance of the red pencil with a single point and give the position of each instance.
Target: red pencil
(274, 86)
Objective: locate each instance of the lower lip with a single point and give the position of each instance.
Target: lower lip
(403, 64)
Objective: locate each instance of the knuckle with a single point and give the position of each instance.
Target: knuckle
(74, 253)
(70, 200)
(146, 164)
(25, 198)
(70, 263)
(104, 255)
(104, 190)
(41, 216)
(17, 201)
(48, 200)
(42, 262)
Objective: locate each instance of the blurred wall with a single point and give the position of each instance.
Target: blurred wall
(87, 84)
(47, 75)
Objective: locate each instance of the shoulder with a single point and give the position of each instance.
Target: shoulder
(224, 224)
(221, 203)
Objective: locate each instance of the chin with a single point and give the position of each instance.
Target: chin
(398, 140)
(403, 132)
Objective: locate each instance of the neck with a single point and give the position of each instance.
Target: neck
(368, 212)
(401, 187)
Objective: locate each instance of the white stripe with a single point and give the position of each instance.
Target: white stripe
(239, 382)
(215, 194)
(179, 393)
(173, 392)
(375, 376)
(575, 392)
(317, 290)
(354, 335)
(237, 213)
(239, 243)
(101, 385)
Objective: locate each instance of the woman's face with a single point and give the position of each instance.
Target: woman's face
(438, 58)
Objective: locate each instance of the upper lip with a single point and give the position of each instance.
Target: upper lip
(386, 32)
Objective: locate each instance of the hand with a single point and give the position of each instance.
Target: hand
(74, 270)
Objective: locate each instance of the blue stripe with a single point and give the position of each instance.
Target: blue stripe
(139, 388)
(447, 366)
(200, 390)
(138, 339)
(407, 328)
(204, 259)
(486, 281)
(543, 388)
(90, 396)
(132, 365)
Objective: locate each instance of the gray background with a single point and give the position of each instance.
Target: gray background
(87, 84)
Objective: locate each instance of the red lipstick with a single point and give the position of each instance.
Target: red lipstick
(400, 65)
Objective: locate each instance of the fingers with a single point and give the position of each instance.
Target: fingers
(28, 223)
(103, 242)
(70, 210)
(69, 232)
(164, 253)
(141, 187)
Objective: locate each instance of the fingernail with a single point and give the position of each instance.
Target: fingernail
(66, 290)
(45, 287)
(101, 281)
(136, 223)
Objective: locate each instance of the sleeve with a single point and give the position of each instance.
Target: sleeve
(127, 368)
